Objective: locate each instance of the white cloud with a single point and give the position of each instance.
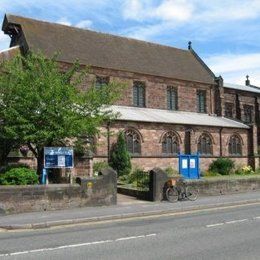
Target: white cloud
(84, 24)
(223, 10)
(167, 10)
(234, 67)
(64, 21)
(180, 10)
(4, 41)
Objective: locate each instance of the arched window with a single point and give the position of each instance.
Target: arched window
(170, 143)
(133, 142)
(205, 144)
(234, 145)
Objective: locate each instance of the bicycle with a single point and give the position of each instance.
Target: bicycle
(180, 190)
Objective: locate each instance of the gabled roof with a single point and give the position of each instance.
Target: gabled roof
(173, 117)
(249, 88)
(109, 51)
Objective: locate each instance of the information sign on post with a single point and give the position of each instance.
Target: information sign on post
(58, 157)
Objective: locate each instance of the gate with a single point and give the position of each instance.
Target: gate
(189, 166)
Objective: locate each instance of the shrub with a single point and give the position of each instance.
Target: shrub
(19, 176)
(139, 178)
(171, 172)
(244, 170)
(6, 168)
(98, 166)
(120, 159)
(223, 166)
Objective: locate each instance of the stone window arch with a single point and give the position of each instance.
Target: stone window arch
(170, 143)
(205, 144)
(133, 141)
(235, 145)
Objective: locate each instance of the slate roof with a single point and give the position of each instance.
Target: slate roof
(127, 113)
(249, 88)
(109, 51)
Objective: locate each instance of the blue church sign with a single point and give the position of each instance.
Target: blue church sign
(189, 166)
(58, 157)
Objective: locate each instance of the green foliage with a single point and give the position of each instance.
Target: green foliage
(19, 176)
(120, 159)
(257, 171)
(137, 178)
(42, 106)
(171, 172)
(245, 170)
(6, 168)
(98, 166)
(223, 166)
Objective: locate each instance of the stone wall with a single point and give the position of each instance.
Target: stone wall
(92, 192)
(151, 143)
(221, 187)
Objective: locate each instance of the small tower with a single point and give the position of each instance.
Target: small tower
(247, 81)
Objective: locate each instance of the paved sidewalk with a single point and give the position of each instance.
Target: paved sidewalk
(127, 207)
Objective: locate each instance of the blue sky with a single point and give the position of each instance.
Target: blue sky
(226, 34)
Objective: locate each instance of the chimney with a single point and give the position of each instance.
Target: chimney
(247, 81)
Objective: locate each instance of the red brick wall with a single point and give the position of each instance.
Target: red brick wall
(151, 146)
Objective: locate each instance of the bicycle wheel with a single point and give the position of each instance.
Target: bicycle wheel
(192, 193)
(172, 194)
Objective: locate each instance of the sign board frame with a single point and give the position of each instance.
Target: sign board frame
(58, 157)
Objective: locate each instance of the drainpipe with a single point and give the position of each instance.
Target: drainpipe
(220, 141)
(108, 141)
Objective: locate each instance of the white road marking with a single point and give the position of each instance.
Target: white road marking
(76, 245)
(231, 222)
(236, 221)
(215, 225)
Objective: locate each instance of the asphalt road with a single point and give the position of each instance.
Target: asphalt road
(223, 234)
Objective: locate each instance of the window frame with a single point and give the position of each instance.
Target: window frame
(101, 81)
(135, 142)
(202, 148)
(235, 145)
(229, 109)
(139, 97)
(248, 114)
(173, 147)
(201, 108)
(172, 98)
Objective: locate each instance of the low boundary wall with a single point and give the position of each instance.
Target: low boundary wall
(91, 192)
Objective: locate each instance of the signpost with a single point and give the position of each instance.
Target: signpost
(57, 157)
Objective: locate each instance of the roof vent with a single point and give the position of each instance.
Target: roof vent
(247, 81)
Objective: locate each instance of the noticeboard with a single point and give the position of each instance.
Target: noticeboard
(58, 157)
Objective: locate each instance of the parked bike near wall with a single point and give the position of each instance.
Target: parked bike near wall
(179, 190)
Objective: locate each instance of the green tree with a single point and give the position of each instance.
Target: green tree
(120, 159)
(42, 106)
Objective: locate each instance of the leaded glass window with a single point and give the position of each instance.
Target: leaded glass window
(133, 142)
(248, 114)
(229, 109)
(139, 94)
(170, 143)
(101, 81)
(201, 101)
(205, 145)
(172, 98)
(234, 145)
